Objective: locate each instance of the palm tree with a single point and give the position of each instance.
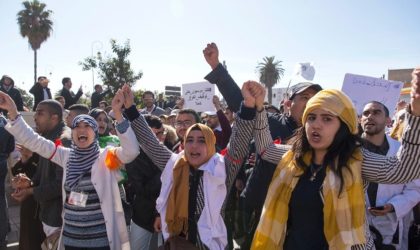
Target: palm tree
(270, 72)
(35, 24)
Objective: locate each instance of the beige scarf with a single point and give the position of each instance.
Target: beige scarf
(177, 209)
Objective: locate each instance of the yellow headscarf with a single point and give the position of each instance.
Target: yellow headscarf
(335, 102)
(344, 213)
(177, 209)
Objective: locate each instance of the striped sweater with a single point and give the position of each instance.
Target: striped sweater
(236, 152)
(375, 168)
(84, 226)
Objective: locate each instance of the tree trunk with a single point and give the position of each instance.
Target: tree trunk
(270, 94)
(35, 58)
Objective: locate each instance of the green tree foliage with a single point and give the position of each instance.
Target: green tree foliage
(113, 71)
(28, 100)
(35, 24)
(270, 72)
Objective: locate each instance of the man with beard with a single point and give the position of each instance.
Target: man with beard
(389, 206)
(150, 108)
(46, 185)
(220, 125)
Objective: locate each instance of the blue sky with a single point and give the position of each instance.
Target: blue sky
(167, 38)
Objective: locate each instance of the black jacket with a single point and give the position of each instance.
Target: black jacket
(14, 94)
(38, 92)
(70, 97)
(48, 181)
(97, 98)
(144, 179)
(7, 142)
(281, 127)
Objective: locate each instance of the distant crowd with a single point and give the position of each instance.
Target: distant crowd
(306, 173)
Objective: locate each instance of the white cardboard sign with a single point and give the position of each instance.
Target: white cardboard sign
(198, 96)
(363, 89)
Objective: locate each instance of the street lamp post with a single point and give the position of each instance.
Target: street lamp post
(98, 46)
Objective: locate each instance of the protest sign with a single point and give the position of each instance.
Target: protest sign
(279, 94)
(363, 89)
(198, 96)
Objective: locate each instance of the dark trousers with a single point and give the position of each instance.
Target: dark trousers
(86, 248)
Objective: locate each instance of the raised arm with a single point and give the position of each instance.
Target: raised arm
(238, 146)
(397, 169)
(27, 137)
(263, 141)
(406, 165)
(224, 123)
(219, 76)
(157, 152)
(129, 148)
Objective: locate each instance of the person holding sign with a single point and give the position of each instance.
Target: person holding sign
(93, 213)
(220, 125)
(195, 182)
(325, 171)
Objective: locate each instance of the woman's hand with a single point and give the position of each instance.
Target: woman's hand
(128, 96)
(7, 103)
(117, 104)
(249, 99)
(415, 92)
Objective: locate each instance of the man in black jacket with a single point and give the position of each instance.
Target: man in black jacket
(40, 91)
(7, 145)
(144, 180)
(282, 127)
(7, 85)
(98, 96)
(68, 95)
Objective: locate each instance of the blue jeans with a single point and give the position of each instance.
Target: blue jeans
(142, 239)
(4, 218)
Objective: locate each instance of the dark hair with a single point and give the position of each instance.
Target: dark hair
(153, 121)
(96, 112)
(341, 148)
(41, 77)
(97, 86)
(80, 108)
(58, 97)
(65, 80)
(53, 107)
(386, 110)
(191, 112)
(103, 102)
(148, 93)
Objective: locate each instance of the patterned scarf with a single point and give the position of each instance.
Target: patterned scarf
(81, 159)
(344, 213)
(177, 209)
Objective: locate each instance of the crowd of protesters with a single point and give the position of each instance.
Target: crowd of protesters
(309, 174)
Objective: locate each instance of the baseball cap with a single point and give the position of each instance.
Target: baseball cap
(302, 86)
(210, 113)
(174, 112)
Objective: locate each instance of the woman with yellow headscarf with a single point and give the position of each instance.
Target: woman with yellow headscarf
(316, 197)
(195, 182)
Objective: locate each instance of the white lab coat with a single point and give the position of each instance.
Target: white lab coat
(403, 197)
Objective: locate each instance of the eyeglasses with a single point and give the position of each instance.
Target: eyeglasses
(187, 124)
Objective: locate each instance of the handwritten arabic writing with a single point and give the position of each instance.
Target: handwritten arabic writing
(198, 95)
(375, 83)
(363, 89)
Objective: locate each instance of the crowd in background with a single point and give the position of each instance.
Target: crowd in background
(244, 175)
